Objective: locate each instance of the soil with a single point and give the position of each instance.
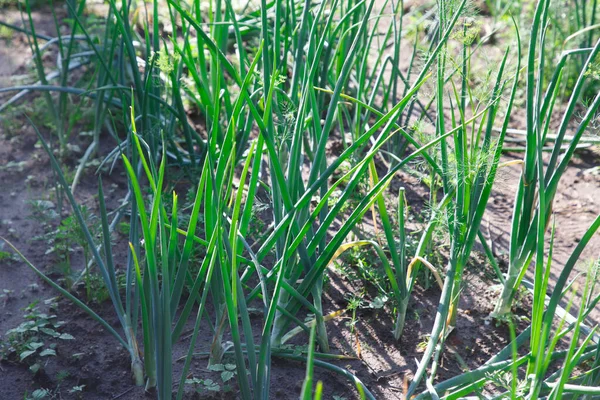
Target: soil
(385, 366)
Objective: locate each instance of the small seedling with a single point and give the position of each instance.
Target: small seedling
(203, 384)
(228, 371)
(27, 343)
(354, 303)
(123, 228)
(43, 211)
(62, 375)
(77, 390)
(39, 394)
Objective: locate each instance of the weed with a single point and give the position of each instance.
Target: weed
(354, 303)
(203, 384)
(28, 342)
(43, 211)
(39, 394)
(123, 228)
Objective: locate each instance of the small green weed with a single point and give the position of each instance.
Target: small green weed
(27, 343)
(39, 394)
(201, 385)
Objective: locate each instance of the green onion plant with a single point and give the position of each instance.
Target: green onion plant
(540, 107)
(245, 103)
